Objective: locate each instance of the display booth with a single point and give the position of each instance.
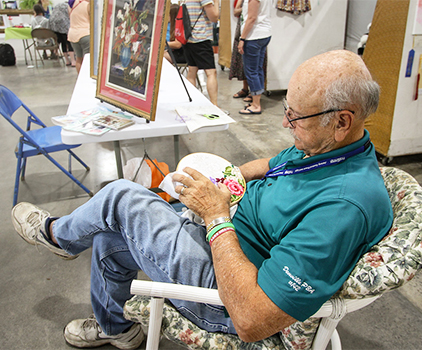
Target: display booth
(397, 125)
(297, 38)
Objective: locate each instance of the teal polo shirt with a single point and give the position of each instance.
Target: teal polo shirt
(305, 232)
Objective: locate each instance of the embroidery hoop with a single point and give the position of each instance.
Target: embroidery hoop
(212, 166)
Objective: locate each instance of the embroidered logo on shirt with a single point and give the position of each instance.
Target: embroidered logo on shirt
(296, 282)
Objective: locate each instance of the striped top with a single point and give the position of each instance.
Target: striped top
(203, 28)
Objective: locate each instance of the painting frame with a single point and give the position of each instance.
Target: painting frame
(96, 13)
(132, 46)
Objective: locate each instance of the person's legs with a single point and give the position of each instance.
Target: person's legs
(212, 85)
(131, 228)
(201, 56)
(77, 48)
(81, 48)
(70, 53)
(192, 72)
(253, 60)
(262, 52)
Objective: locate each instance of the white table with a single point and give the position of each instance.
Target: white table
(171, 94)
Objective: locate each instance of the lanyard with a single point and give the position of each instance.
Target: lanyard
(278, 171)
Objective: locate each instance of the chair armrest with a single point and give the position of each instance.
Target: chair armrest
(210, 296)
(176, 291)
(328, 309)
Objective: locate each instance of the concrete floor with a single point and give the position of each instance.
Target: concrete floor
(40, 294)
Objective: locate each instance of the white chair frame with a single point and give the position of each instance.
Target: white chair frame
(331, 311)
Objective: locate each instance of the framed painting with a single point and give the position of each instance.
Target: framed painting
(95, 37)
(131, 52)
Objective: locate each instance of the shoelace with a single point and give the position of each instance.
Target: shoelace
(35, 220)
(91, 322)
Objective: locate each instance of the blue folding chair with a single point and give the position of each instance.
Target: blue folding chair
(44, 140)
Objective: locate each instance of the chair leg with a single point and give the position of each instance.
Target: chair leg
(335, 341)
(40, 56)
(154, 327)
(18, 174)
(78, 159)
(74, 179)
(61, 54)
(199, 82)
(23, 169)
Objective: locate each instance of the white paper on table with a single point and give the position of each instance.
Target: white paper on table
(194, 118)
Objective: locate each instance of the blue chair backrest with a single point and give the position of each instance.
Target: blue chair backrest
(9, 102)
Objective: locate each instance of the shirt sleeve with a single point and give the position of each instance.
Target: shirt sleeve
(314, 259)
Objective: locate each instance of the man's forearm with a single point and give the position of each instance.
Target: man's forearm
(254, 315)
(255, 169)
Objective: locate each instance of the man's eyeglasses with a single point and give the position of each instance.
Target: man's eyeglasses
(290, 115)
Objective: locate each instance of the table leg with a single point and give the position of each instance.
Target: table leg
(27, 47)
(24, 50)
(176, 149)
(29, 50)
(118, 155)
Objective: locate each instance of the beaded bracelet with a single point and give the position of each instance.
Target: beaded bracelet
(219, 233)
(218, 221)
(218, 228)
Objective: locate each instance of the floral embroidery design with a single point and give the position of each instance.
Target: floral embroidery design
(235, 182)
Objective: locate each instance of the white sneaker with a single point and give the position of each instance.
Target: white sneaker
(87, 333)
(29, 221)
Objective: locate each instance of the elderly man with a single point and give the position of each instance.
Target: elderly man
(307, 216)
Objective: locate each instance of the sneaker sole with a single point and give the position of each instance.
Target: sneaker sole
(120, 345)
(19, 230)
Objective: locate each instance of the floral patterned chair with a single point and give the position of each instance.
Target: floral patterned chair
(388, 265)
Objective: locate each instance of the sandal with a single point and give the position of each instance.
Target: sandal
(249, 111)
(248, 99)
(241, 93)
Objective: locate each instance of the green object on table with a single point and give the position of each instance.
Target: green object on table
(17, 33)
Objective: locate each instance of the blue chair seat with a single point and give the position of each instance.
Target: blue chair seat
(43, 140)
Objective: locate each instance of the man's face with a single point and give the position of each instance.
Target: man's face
(304, 100)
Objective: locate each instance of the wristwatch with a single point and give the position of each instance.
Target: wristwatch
(241, 39)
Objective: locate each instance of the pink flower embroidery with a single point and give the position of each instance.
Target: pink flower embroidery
(400, 195)
(234, 187)
(374, 259)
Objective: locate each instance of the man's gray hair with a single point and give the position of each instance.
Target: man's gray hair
(356, 93)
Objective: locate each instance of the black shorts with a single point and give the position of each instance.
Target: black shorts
(200, 55)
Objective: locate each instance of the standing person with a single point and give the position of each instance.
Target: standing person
(330, 175)
(253, 42)
(60, 23)
(198, 50)
(79, 30)
(236, 64)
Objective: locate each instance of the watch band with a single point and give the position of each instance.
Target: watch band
(217, 221)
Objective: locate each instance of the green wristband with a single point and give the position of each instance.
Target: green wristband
(218, 228)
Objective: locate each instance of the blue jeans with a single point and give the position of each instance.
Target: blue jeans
(131, 228)
(253, 62)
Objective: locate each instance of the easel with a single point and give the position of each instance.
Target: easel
(116, 144)
(177, 67)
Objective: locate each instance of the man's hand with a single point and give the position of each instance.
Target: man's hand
(203, 197)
